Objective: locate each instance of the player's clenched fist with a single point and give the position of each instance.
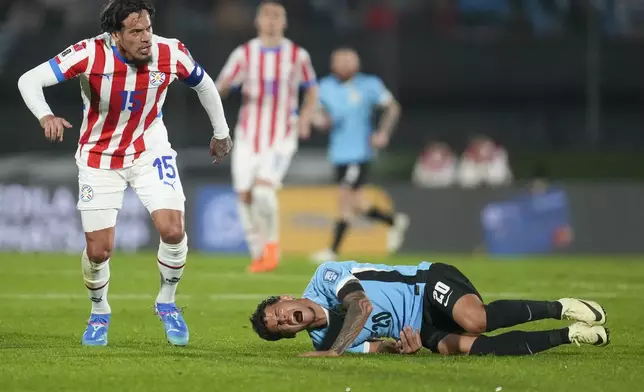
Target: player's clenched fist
(410, 341)
(54, 127)
(219, 148)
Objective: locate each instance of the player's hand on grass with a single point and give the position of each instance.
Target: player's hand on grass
(54, 127)
(328, 353)
(410, 341)
(380, 139)
(219, 148)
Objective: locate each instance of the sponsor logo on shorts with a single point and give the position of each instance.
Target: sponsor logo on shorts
(86, 193)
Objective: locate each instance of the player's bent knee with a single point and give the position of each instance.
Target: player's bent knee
(264, 182)
(172, 234)
(169, 224)
(469, 313)
(99, 245)
(265, 196)
(99, 251)
(98, 255)
(475, 321)
(245, 197)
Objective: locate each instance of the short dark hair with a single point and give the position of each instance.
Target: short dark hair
(276, 2)
(258, 320)
(116, 11)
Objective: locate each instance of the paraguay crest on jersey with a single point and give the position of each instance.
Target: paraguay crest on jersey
(157, 78)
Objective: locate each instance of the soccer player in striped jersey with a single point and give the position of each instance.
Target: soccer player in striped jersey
(358, 307)
(124, 75)
(270, 70)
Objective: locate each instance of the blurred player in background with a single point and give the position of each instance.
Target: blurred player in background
(348, 99)
(270, 70)
(124, 75)
(352, 307)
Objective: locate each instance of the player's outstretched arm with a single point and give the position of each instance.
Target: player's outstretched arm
(221, 143)
(31, 85)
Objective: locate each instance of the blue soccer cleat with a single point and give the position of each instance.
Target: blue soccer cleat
(176, 330)
(96, 331)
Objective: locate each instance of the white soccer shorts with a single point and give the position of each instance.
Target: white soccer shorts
(154, 177)
(270, 165)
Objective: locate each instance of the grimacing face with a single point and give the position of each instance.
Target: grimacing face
(288, 316)
(271, 19)
(136, 37)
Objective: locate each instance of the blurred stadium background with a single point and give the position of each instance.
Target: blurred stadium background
(556, 83)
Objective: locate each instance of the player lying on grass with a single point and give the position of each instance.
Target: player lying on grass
(352, 307)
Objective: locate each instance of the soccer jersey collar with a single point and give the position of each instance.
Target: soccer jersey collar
(119, 55)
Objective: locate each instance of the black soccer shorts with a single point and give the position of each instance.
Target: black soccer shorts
(445, 285)
(353, 175)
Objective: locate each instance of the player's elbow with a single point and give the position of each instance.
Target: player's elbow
(24, 81)
(394, 107)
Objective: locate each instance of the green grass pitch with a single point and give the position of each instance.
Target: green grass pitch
(43, 308)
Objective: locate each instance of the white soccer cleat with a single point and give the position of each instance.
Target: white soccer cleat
(323, 256)
(396, 235)
(588, 312)
(581, 333)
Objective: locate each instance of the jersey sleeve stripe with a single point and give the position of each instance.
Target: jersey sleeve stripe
(260, 101)
(305, 71)
(53, 63)
(291, 93)
(195, 77)
(344, 282)
(276, 94)
(80, 67)
(230, 79)
(95, 81)
(350, 287)
(308, 83)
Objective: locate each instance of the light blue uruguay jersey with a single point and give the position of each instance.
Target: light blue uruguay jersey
(350, 106)
(396, 293)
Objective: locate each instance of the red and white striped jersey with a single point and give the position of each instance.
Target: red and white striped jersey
(122, 102)
(270, 79)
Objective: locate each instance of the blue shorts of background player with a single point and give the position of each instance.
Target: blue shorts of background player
(347, 101)
(376, 308)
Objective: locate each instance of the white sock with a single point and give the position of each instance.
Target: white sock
(267, 205)
(97, 281)
(249, 220)
(171, 259)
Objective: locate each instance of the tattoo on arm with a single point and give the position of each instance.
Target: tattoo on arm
(358, 310)
(390, 117)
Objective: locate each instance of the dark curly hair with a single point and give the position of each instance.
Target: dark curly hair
(116, 11)
(258, 320)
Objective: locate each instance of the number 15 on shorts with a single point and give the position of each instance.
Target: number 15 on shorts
(165, 167)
